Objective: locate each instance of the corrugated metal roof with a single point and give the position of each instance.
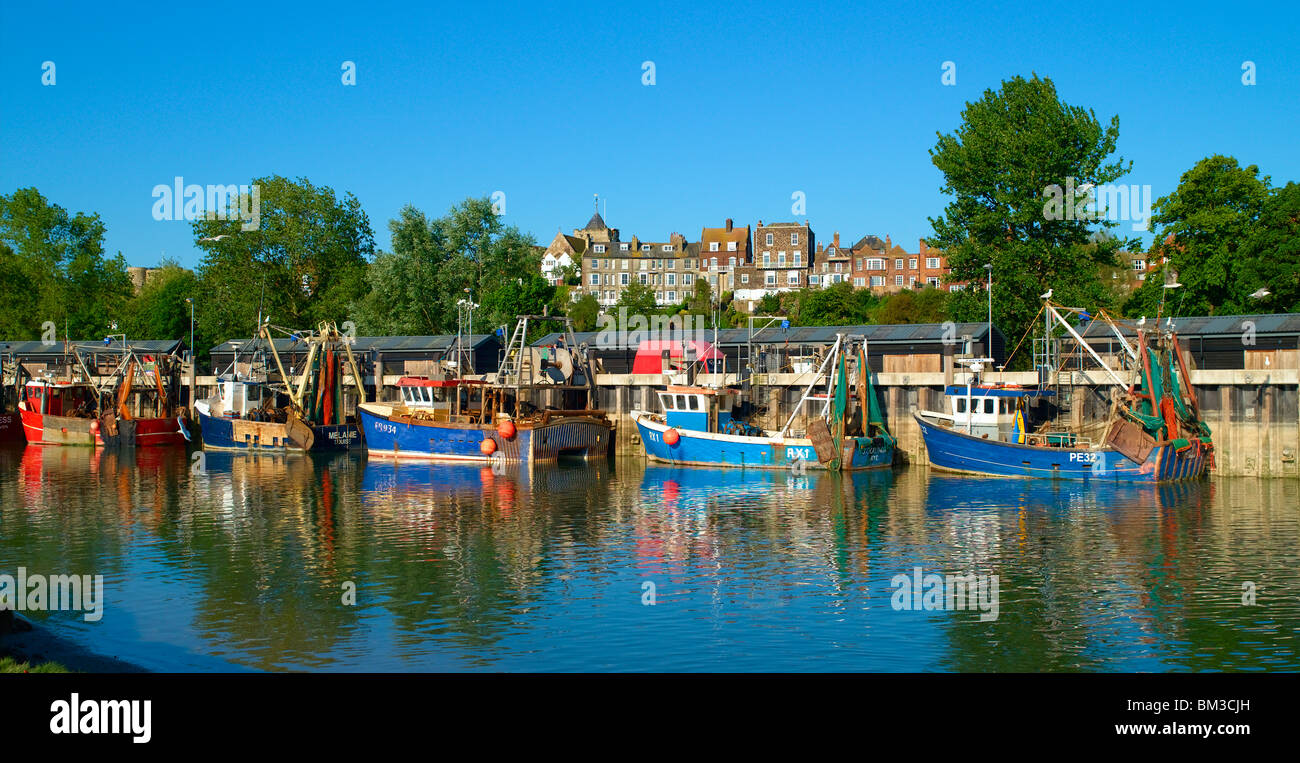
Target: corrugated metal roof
(907, 333)
(373, 343)
(1209, 325)
(161, 346)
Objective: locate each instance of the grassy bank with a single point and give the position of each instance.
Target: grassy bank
(10, 665)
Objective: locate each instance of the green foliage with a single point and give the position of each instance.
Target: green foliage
(160, 311)
(836, 305)
(584, 313)
(1212, 214)
(1270, 256)
(1013, 145)
(638, 299)
(53, 268)
(466, 254)
(929, 305)
(305, 263)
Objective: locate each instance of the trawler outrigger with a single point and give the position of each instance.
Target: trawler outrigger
(1154, 432)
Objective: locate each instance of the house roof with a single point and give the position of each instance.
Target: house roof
(596, 223)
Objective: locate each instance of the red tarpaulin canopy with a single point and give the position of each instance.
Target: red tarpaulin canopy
(649, 355)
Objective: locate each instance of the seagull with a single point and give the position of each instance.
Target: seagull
(1048, 295)
(1260, 293)
(215, 238)
(1143, 322)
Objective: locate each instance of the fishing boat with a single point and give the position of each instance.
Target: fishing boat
(253, 412)
(540, 406)
(11, 420)
(699, 426)
(136, 406)
(1153, 433)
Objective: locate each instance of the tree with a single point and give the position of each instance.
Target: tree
(929, 305)
(305, 263)
(701, 299)
(584, 313)
(1016, 148)
(159, 311)
(465, 254)
(1210, 216)
(53, 268)
(1270, 256)
(638, 299)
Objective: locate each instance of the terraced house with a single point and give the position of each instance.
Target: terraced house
(610, 265)
(725, 258)
(782, 255)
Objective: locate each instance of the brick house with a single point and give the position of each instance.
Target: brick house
(783, 254)
(726, 259)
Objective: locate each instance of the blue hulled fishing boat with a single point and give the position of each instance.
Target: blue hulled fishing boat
(699, 426)
(1154, 432)
(252, 413)
(540, 406)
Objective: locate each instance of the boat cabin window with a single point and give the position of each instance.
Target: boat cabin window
(695, 402)
(668, 402)
(681, 402)
(988, 405)
(961, 405)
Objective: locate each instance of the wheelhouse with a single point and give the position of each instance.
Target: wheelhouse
(700, 409)
(995, 412)
(240, 397)
(442, 399)
(53, 398)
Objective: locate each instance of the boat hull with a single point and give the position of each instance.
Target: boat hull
(42, 429)
(11, 429)
(394, 437)
(694, 448)
(955, 451)
(230, 434)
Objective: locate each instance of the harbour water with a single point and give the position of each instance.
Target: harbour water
(244, 562)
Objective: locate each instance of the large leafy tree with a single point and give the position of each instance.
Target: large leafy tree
(305, 262)
(1270, 255)
(467, 254)
(53, 268)
(1006, 167)
(1203, 227)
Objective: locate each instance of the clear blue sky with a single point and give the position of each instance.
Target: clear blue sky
(546, 104)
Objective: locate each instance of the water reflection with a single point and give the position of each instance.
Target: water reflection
(247, 560)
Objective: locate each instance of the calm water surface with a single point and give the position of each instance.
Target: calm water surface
(243, 566)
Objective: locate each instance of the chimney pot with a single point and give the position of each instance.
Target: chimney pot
(728, 224)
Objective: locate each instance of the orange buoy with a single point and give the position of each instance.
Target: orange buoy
(671, 437)
(488, 447)
(506, 429)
